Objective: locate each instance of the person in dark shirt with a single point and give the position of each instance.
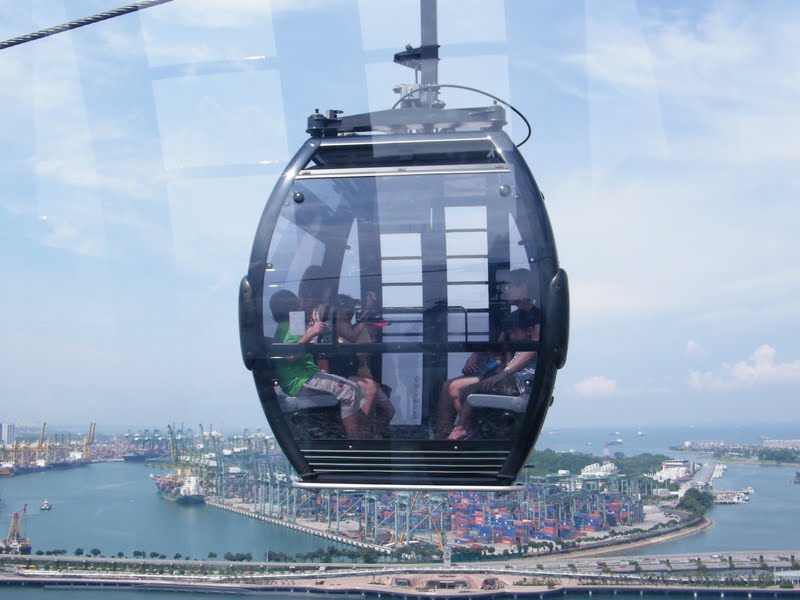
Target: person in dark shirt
(512, 379)
(518, 292)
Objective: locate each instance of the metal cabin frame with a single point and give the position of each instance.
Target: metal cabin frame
(504, 459)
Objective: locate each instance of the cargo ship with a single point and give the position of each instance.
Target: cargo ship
(181, 489)
(69, 463)
(138, 457)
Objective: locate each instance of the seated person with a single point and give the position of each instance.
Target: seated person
(511, 377)
(356, 367)
(478, 365)
(347, 332)
(298, 373)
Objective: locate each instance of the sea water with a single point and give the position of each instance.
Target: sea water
(115, 507)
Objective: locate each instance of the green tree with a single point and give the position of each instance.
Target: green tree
(212, 555)
(696, 502)
(78, 552)
(778, 455)
(94, 551)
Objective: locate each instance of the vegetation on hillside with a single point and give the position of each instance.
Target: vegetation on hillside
(545, 462)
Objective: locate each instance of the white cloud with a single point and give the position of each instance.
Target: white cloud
(718, 71)
(760, 368)
(695, 351)
(233, 14)
(597, 385)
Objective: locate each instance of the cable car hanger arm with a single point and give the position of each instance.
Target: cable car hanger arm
(405, 120)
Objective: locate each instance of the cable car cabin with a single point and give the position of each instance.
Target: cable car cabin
(398, 263)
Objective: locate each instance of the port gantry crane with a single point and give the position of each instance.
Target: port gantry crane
(41, 450)
(44, 450)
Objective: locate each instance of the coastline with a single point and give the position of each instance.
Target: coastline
(704, 523)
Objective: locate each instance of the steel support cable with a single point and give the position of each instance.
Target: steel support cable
(117, 12)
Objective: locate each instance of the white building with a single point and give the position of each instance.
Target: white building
(8, 432)
(599, 470)
(674, 470)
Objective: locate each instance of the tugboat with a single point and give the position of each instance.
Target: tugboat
(46, 505)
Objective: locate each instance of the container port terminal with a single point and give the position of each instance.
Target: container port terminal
(247, 474)
(20, 455)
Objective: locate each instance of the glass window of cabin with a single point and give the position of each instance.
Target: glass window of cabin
(436, 250)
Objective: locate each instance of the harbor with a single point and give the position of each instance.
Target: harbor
(283, 519)
(197, 546)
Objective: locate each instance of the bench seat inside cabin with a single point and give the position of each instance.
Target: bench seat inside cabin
(515, 404)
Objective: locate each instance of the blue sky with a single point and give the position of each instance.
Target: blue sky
(136, 155)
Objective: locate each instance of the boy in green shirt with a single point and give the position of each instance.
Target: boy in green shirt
(299, 373)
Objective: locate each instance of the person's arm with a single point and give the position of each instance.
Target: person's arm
(316, 329)
(313, 331)
(348, 331)
(515, 364)
(471, 366)
(520, 360)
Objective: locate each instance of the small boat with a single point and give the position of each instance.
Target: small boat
(46, 505)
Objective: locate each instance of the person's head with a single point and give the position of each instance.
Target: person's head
(315, 287)
(519, 327)
(281, 304)
(346, 306)
(520, 287)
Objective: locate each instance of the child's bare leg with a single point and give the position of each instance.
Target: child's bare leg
(462, 429)
(450, 403)
(369, 388)
(384, 412)
(386, 407)
(354, 426)
(446, 412)
(369, 407)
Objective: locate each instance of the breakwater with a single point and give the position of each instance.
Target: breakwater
(296, 527)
